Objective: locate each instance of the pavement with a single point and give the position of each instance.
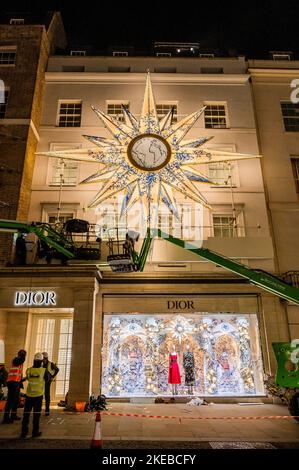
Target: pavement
(178, 427)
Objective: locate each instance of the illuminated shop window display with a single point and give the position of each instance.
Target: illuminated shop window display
(225, 354)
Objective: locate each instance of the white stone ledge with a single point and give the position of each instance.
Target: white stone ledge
(129, 78)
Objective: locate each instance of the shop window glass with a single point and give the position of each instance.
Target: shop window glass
(226, 350)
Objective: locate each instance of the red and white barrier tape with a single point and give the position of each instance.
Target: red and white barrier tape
(135, 415)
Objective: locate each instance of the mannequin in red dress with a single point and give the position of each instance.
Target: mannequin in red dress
(174, 376)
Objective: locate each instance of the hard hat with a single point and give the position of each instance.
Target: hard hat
(38, 356)
(45, 355)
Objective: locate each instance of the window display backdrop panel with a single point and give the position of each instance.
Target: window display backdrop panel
(226, 349)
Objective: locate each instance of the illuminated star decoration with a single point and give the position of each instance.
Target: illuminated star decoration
(148, 160)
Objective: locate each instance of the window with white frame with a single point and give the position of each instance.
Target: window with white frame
(64, 172)
(8, 55)
(69, 113)
(61, 218)
(120, 53)
(281, 56)
(16, 21)
(290, 114)
(114, 109)
(3, 106)
(54, 335)
(215, 116)
(227, 225)
(224, 226)
(64, 356)
(163, 54)
(80, 53)
(222, 173)
(164, 108)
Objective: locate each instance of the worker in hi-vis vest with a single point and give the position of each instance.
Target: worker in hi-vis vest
(34, 395)
(51, 372)
(14, 383)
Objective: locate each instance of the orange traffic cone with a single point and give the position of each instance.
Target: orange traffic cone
(97, 442)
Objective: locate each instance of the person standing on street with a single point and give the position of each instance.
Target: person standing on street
(51, 372)
(34, 395)
(14, 382)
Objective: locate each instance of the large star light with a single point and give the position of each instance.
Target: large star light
(148, 160)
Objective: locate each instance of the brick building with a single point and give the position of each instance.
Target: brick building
(25, 45)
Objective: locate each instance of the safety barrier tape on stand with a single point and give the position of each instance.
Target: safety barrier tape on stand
(180, 418)
(135, 415)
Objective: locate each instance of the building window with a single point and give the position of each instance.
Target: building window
(78, 53)
(120, 53)
(206, 56)
(54, 335)
(8, 55)
(215, 116)
(64, 172)
(61, 219)
(211, 70)
(290, 114)
(70, 113)
(3, 106)
(224, 226)
(73, 68)
(281, 56)
(295, 167)
(115, 109)
(17, 21)
(163, 54)
(220, 173)
(165, 70)
(163, 108)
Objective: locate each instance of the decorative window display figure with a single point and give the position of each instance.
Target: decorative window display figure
(189, 366)
(174, 376)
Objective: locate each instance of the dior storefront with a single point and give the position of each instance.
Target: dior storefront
(183, 346)
(148, 338)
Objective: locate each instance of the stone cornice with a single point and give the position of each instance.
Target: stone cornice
(138, 78)
(274, 73)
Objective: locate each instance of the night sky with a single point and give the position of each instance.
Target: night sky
(251, 28)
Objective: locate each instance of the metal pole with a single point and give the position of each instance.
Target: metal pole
(232, 199)
(62, 163)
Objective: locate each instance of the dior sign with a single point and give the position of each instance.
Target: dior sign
(180, 304)
(36, 298)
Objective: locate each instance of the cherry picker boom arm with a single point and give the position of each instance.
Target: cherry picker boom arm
(260, 278)
(43, 231)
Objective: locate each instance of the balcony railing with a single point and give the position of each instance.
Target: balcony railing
(292, 278)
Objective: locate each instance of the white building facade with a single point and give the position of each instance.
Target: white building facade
(119, 328)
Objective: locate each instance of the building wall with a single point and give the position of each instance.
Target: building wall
(190, 90)
(271, 85)
(19, 129)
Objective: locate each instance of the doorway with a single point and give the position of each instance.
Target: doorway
(54, 335)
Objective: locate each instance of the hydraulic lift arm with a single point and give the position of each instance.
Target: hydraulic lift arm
(43, 231)
(260, 278)
(62, 245)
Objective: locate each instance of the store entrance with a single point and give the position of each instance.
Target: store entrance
(53, 333)
(225, 348)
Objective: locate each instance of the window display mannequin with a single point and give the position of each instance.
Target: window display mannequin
(189, 366)
(174, 376)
